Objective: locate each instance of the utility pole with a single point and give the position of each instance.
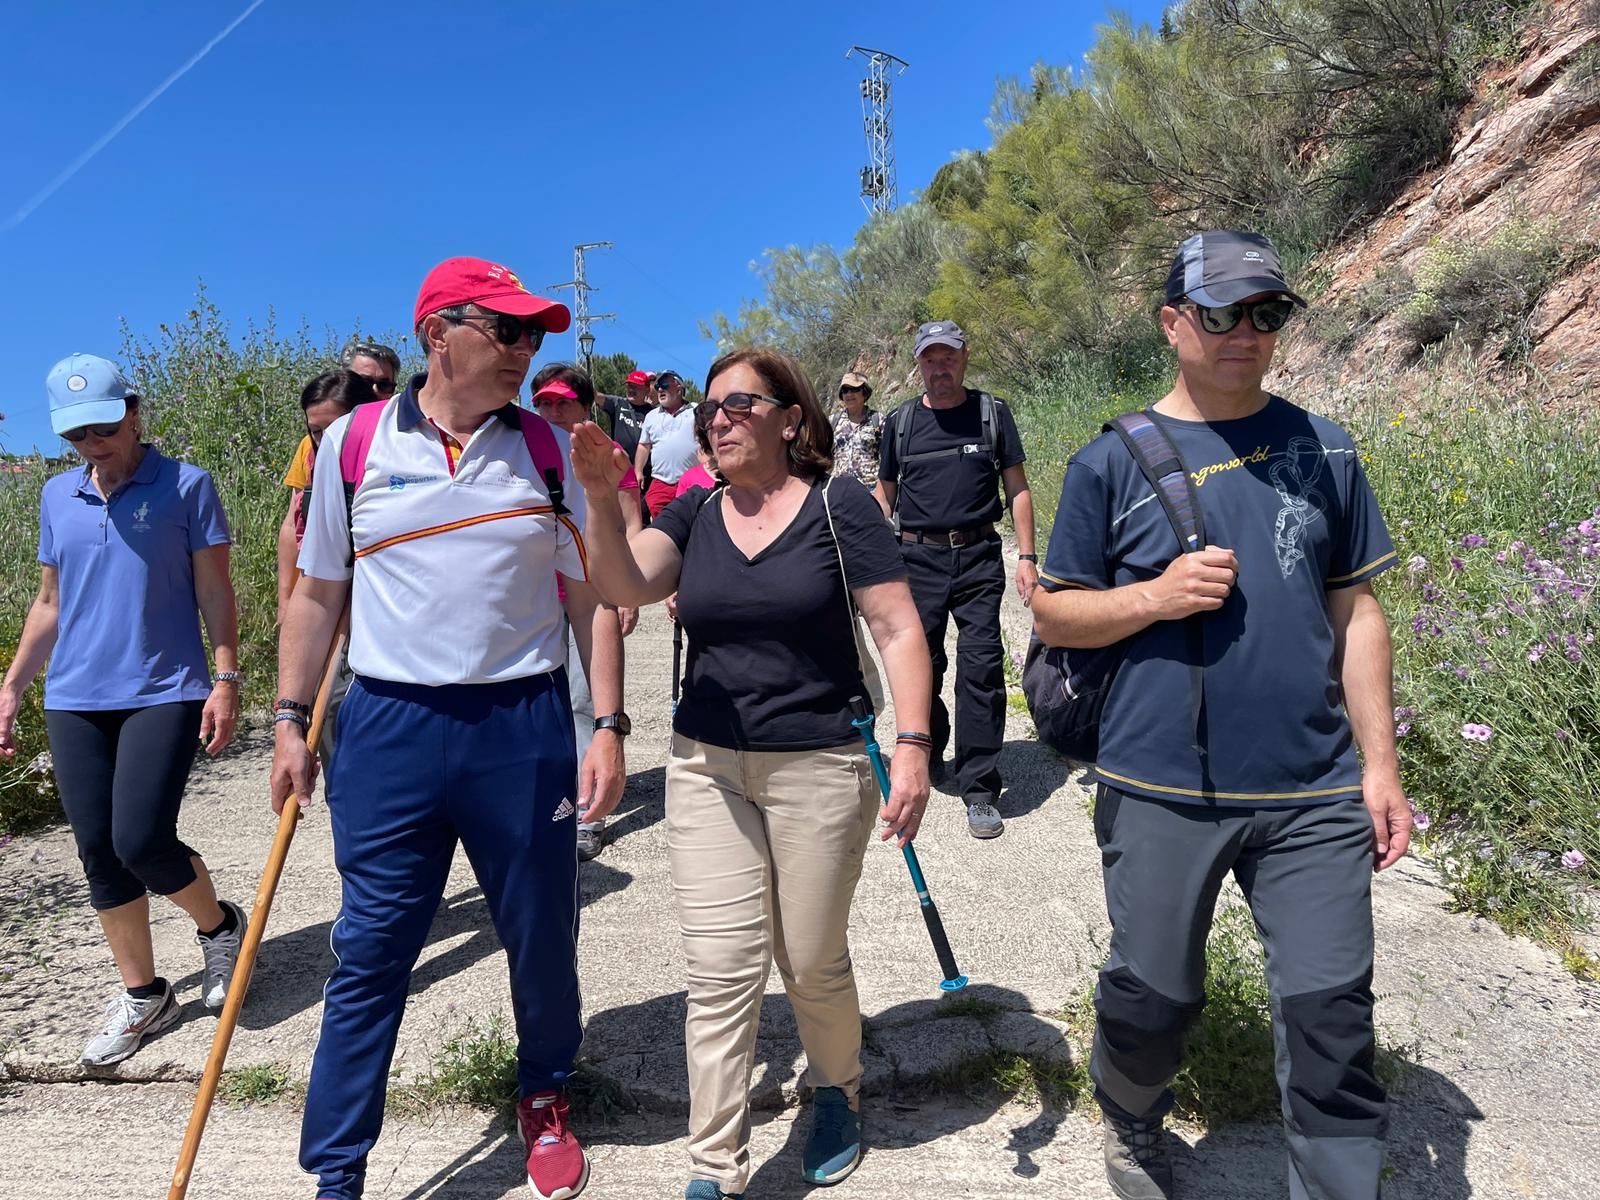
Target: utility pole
(581, 316)
(880, 187)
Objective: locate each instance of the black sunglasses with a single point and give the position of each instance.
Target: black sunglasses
(99, 431)
(506, 329)
(384, 387)
(738, 406)
(1266, 316)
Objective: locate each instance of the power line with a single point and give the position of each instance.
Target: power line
(880, 185)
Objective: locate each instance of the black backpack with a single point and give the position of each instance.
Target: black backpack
(1066, 689)
(901, 419)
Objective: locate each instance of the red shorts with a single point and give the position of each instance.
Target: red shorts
(660, 495)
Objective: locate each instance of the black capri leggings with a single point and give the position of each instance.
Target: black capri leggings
(121, 774)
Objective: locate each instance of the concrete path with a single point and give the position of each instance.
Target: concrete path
(1503, 1104)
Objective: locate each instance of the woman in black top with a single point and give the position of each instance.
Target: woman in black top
(770, 798)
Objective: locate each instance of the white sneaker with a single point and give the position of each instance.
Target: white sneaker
(129, 1022)
(220, 953)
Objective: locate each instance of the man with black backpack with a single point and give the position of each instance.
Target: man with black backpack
(945, 457)
(1222, 547)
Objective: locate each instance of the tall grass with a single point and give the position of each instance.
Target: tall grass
(221, 399)
(1493, 500)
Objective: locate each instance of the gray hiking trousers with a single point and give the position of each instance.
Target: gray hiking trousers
(1307, 875)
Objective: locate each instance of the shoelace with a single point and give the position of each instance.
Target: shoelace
(832, 1119)
(120, 1013)
(219, 952)
(542, 1124)
(1143, 1139)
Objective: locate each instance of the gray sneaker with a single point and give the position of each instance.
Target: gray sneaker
(127, 1023)
(220, 954)
(591, 838)
(983, 820)
(1138, 1165)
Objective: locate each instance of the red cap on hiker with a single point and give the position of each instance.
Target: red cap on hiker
(639, 377)
(497, 288)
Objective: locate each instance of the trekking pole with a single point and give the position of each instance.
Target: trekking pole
(677, 662)
(270, 874)
(953, 980)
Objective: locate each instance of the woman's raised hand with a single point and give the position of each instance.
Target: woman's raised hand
(597, 461)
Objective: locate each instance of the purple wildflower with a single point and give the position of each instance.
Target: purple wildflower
(1430, 591)
(1456, 564)
(1416, 564)
(1462, 673)
(1573, 859)
(1574, 654)
(1563, 736)
(1402, 729)
(1472, 541)
(1476, 733)
(1401, 713)
(1535, 652)
(1421, 821)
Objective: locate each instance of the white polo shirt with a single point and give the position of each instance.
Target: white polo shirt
(455, 564)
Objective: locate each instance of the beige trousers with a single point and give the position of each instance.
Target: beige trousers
(766, 851)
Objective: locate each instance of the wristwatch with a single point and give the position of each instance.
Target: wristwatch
(1033, 558)
(618, 721)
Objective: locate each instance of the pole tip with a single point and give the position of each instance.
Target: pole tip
(953, 985)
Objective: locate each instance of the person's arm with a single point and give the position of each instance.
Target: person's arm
(213, 593)
(633, 523)
(598, 632)
(891, 615)
(38, 639)
(1019, 499)
(1086, 618)
(303, 644)
(641, 458)
(287, 552)
(884, 494)
(1363, 662)
(627, 571)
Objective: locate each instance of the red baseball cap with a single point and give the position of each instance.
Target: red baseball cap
(638, 377)
(497, 288)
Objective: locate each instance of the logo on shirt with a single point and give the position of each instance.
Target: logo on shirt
(398, 482)
(563, 810)
(140, 517)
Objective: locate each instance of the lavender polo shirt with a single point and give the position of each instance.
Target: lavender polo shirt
(129, 624)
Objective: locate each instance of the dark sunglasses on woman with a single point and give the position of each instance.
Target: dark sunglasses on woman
(99, 431)
(506, 329)
(738, 406)
(1266, 316)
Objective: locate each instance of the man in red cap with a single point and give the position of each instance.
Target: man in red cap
(447, 539)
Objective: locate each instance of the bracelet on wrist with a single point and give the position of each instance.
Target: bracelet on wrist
(915, 739)
(233, 677)
(292, 718)
(294, 706)
(1033, 558)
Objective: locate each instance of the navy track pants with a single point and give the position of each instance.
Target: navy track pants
(418, 768)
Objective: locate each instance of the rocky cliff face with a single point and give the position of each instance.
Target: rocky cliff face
(1528, 149)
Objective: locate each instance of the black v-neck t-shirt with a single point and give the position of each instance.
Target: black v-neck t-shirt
(772, 660)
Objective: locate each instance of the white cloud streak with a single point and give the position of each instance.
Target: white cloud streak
(105, 139)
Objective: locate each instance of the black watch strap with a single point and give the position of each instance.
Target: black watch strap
(1033, 558)
(618, 721)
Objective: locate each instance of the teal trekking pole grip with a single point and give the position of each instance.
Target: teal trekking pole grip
(953, 980)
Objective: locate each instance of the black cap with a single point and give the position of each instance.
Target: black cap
(1223, 266)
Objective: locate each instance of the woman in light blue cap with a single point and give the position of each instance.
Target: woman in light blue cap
(133, 551)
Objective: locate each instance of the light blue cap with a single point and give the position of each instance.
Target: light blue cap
(86, 389)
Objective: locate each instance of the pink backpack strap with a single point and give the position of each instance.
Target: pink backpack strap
(546, 454)
(364, 420)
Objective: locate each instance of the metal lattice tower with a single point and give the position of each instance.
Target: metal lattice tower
(582, 338)
(880, 188)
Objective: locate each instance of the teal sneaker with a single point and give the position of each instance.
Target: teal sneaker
(834, 1148)
(706, 1189)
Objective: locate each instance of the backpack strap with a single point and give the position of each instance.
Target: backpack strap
(358, 442)
(1153, 450)
(991, 444)
(546, 454)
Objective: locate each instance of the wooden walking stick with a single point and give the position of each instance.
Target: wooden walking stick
(240, 983)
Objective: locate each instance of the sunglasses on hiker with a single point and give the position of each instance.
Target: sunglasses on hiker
(1266, 316)
(383, 387)
(738, 406)
(506, 329)
(100, 431)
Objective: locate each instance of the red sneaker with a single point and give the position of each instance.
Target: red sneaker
(558, 1168)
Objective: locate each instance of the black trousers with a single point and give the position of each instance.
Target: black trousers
(121, 773)
(967, 583)
(1307, 876)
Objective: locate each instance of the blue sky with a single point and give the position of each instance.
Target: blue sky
(321, 157)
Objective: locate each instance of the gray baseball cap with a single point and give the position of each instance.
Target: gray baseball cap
(940, 333)
(1223, 266)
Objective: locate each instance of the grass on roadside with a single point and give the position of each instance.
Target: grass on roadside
(265, 1083)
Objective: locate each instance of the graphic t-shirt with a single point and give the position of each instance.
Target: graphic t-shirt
(772, 661)
(956, 490)
(672, 445)
(1284, 490)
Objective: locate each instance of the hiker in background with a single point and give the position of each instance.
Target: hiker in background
(562, 395)
(641, 393)
(666, 444)
(1258, 775)
(946, 457)
(458, 725)
(133, 554)
(322, 402)
(857, 431)
(770, 797)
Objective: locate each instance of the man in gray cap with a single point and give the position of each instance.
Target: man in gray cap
(945, 457)
(1258, 774)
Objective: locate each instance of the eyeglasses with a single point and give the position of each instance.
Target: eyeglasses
(738, 406)
(99, 431)
(506, 329)
(384, 387)
(666, 385)
(1266, 316)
